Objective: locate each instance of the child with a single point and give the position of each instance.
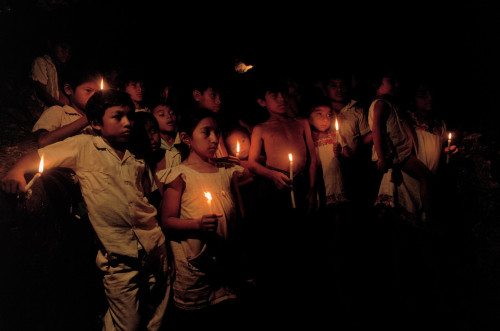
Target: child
(278, 137)
(132, 82)
(393, 145)
(46, 72)
(166, 115)
(202, 230)
(145, 143)
(59, 122)
(132, 252)
(328, 150)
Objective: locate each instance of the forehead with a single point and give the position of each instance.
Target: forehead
(117, 110)
(321, 109)
(207, 122)
(160, 109)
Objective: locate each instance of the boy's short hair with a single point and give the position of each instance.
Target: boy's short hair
(269, 83)
(76, 74)
(104, 99)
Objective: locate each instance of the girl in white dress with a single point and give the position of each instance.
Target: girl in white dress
(199, 213)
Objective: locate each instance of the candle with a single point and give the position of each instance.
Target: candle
(291, 179)
(237, 148)
(209, 201)
(449, 144)
(102, 83)
(38, 174)
(337, 135)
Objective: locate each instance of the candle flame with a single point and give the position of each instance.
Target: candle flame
(336, 125)
(208, 196)
(40, 167)
(449, 136)
(290, 157)
(237, 146)
(102, 83)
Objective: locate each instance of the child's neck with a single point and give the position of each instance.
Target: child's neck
(118, 148)
(199, 163)
(168, 137)
(337, 106)
(75, 107)
(277, 117)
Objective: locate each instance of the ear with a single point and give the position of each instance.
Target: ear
(96, 125)
(185, 138)
(68, 90)
(261, 102)
(196, 95)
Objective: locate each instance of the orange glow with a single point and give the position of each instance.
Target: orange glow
(208, 196)
(290, 157)
(40, 167)
(336, 125)
(102, 83)
(449, 136)
(237, 146)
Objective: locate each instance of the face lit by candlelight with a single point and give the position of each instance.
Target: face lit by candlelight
(243, 138)
(136, 91)
(116, 124)
(275, 103)
(320, 118)
(166, 117)
(79, 96)
(205, 138)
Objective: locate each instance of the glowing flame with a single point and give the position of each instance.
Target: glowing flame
(336, 125)
(290, 157)
(208, 196)
(449, 136)
(237, 146)
(102, 83)
(40, 167)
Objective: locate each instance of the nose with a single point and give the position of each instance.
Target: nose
(217, 100)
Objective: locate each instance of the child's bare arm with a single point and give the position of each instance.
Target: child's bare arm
(170, 212)
(14, 181)
(49, 137)
(280, 180)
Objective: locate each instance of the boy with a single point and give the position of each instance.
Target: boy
(132, 253)
(281, 135)
(60, 122)
(166, 116)
(132, 82)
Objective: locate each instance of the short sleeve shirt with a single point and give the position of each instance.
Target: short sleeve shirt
(56, 117)
(43, 70)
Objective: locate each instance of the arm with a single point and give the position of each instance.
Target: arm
(14, 181)
(170, 207)
(380, 115)
(279, 179)
(49, 137)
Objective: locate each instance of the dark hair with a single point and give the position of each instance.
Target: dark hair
(127, 76)
(312, 99)
(76, 74)
(104, 99)
(188, 122)
(270, 83)
(140, 144)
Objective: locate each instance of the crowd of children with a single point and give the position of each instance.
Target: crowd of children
(195, 206)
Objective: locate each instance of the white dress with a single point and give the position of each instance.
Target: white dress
(196, 258)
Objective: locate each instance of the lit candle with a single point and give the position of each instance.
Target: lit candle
(38, 174)
(337, 135)
(291, 179)
(237, 148)
(102, 83)
(209, 201)
(449, 144)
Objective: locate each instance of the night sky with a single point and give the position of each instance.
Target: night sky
(456, 44)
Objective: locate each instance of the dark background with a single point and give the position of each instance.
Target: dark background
(455, 43)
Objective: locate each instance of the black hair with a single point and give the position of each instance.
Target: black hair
(104, 99)
(140, 144)
(312, 99)
(269, 83)
(76, 74)
(189, 121)
(127, 76)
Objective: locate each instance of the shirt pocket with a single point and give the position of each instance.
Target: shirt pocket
(97, 181)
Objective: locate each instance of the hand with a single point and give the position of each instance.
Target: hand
(226, 161)
(280, 180)
(382, 164)
(13, 183)
(209, 222)
(452, 150)
(337, 150)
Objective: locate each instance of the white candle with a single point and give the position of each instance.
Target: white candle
(237, 148)
(449, 144)
(37, 175)
(209, 201)
(337, 135)
(291, 179)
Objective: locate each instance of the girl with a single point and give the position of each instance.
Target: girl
(328, 151)
(393, 144)
(199, 212)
